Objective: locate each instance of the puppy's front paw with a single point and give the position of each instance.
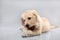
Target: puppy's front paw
(23, 35)
(26, 35)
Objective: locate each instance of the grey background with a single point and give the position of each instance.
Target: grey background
(11, 11)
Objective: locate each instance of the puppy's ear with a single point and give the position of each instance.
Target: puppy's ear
(22, 21)
(35, 13)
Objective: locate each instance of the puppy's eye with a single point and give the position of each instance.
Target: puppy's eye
(29, 18)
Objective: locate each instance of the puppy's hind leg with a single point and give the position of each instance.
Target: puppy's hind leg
(53, 27)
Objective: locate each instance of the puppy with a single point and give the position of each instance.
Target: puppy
(33, 24)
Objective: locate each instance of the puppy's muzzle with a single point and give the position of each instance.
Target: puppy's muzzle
(30, 28)
(27, 25)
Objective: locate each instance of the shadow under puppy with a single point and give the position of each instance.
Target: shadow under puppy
(33, 24)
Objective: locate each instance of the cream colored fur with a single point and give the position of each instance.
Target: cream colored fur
(42, 23)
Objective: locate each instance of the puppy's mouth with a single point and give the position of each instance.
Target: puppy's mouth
(31, 28)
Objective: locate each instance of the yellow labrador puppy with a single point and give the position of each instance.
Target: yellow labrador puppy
(33, 24)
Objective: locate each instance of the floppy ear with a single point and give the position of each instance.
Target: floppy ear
(35, 13)
(22, 21)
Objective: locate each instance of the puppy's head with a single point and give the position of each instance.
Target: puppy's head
(29, 19)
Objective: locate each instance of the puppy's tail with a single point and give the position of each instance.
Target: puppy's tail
(54, 27)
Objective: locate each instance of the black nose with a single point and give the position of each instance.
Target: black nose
(27, 25)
